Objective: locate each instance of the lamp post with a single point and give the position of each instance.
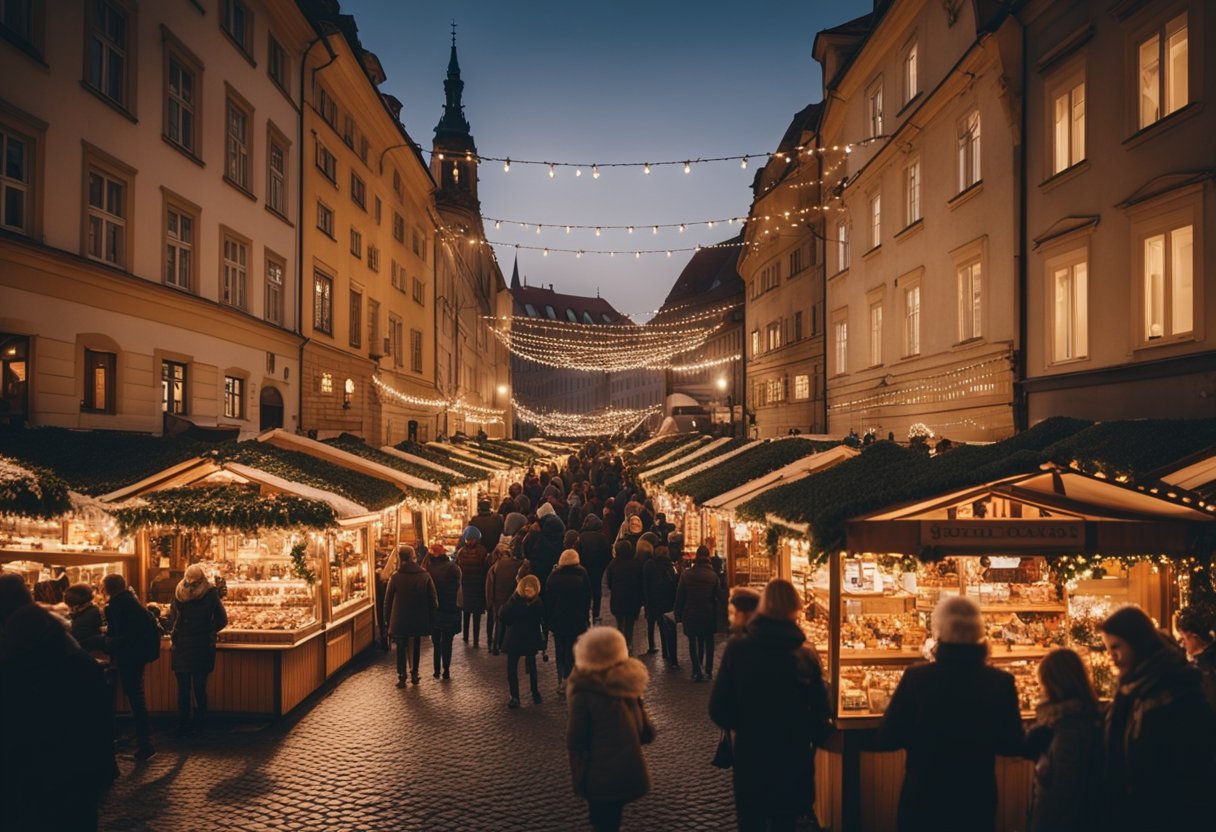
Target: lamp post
(505, 404)
(730, 405)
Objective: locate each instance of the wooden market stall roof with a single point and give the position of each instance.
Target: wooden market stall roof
(351, 453)
(472, 455)
(1055, 510)
(423, 454)
(690, 465)
(750, 462)
(796, 470)
(702, 453)
(683, 451)
(31, 492)
(644, 455)
(1195, 473)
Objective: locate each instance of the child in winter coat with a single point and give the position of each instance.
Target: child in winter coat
(523, 615)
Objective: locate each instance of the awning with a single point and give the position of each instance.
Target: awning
(793, 472)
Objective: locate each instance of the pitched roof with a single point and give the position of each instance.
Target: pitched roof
(536, 301)
(709, 277)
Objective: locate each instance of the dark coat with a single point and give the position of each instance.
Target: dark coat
(698, 597)
(490, 526)
(953, 716)
(86, 628)
(544, 546)
(500, 581)
(770, 692)
(594, 548)
(568, 600)
(605, 732)
(1205, 663)
(195, 623)
(523, 621)
(56, 720)
(410, 602)
(127, 627)
(1160, 741)
(446, 575)
(625, 583)
(659, 581)
(1068, 772)
(473, 562)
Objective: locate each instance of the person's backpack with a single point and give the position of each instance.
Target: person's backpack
(147, 643)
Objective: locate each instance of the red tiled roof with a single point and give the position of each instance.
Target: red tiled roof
(534, 301)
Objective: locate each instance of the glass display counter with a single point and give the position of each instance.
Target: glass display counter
(53, 554)
(348, 570)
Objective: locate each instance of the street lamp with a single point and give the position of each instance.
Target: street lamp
(730, 405)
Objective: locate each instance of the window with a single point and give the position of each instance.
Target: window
(1169, 290)
(235, 277)
(911, 72)
(327, 382)
(773, 335)
(420, 294)
(776, 390)
(398, 276)
(327, 107)
(396, 346)
(17, 20)
(108, 55)
(378, 208)
(397, 189)
(416, 350)
(276, 176)
(912, 320)
(237, 145)
(550, 312)
(373, 258)
(323, 303)
(802, 387)
(798, 325)
(277, 65)
(1163, 74)
(875, 334)
(356, 243)
(16, 175)
(970, 308)
(875, 220)
(755, 342)
(571, 316)
(274, 289)
(237, 22)
(358, 191)
(416, 244)
(912, 192)
(398, 228)
(234, 397)
(795, 261)
(179, 248)
(356, 318)
(327, 163)
(874, 108)
(173, 387)
(348, 132)
(840, 342)
(1069, 309)
(1068, 128)
(325, 219)
(969, 150)
(106, 238)
(842, 245)
(181, 102)
(99, 381)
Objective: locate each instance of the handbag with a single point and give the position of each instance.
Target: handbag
(724, 756)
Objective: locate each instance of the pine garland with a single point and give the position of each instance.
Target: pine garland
(439, 458)
(763, 458)
(663, 476)
(236, 508)
(31, 492)
(375, 494)
(355, 445)
(300, 566)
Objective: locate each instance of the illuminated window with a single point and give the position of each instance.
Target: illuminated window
(1169, 291)
(1070, 312)
(970, 308)
(911, 73)
(969, 150)
(874, 108)
(912, 320)
(234, 397)
(173, 387)
(1068, 128)
(1163, 71)
(875, 334)
(912, 192)
(327, 383)
(99, 381)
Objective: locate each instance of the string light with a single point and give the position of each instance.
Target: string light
(552, 171)
(646, 167)
(457, 406)
(612, 252)
(743, 163)
(688, 167)
(606, 422)
(506, 165)
(595, 172)
(703, 365)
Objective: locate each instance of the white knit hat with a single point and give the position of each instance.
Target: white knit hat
(544, 511)
(568, 558)
(957, 620)
(600, 648)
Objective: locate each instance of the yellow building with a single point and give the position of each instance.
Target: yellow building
(147, 234)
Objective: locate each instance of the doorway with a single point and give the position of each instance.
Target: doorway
(14, 379)
(270, 408)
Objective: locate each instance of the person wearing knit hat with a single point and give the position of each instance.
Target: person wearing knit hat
(445, 624)
(744, 601)
(522, 615)
(501, 580)
(473, 560)
(545, 509)
(567, 610)
(934, 714)
(85, 616)
(607, 726)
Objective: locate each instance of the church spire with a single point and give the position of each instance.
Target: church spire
(453, 123)
(515, 274)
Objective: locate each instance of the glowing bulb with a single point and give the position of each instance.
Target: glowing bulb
(631, 229)
(441, 157)
(654, 230)
(597, 231)
(567, 229)
(645, 167)
(848, 148)
(595, 172)
(743, 164)
(552, 171)
(578, 254)
(681, 228)
(506, 165)
(668, 252)
(637, 255)
(497, 224)
(546, 252)
(578, 171)
(688, 167)
(710, 224)
(538, 228)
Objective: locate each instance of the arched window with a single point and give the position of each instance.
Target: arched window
(607, 319)
(550, 312)
(570, 316)
(587, 319)
(530, 309)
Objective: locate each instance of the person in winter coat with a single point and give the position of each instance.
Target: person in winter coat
(595, 553)
(489, 523)
(84, 616)
(567, 609)
(472, 559)
(522, 615)
(744, 602)
(659, 581)
(1066, 745)
(631, 529)
(196, 615)
(56, 721)
(1197, 626)
(953, 716)
(1159, 732)
(607, 726)
(770, 693)
(698, 599)
(624, 577)
(410, 603)
(542, 548)
(500, 586)
(446, 622)
(129, 631)
(384, 574)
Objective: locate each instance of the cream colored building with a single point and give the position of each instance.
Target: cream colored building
(1120, 300)
(782, 266)
(147, 235)
(918, 129)
(369, 253)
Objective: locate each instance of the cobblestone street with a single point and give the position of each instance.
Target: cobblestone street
(363, 755)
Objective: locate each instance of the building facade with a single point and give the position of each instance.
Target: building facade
(1120, 303)
(148, 259)
(781, 265)
(919, 155)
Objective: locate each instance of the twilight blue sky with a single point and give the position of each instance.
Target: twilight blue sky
(601, 82)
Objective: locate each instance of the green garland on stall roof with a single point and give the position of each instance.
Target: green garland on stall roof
(233, 507)
(27, 491)
(299, 565)
(772, 537)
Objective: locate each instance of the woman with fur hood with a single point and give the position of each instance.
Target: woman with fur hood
(196, 616)
(607, 726)
(522, 615)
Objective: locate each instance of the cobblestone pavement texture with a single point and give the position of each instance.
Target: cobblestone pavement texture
(445, 755)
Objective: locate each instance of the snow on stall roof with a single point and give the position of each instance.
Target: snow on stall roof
(343, 506)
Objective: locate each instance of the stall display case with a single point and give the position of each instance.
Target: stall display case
(53, 554)
(348, 571)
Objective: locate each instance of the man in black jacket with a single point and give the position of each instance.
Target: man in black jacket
(129, 629)
(595, 553)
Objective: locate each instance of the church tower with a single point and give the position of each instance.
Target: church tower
(454, 151)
